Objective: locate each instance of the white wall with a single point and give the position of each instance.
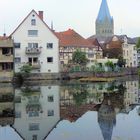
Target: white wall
(46, 123)
(44, 36)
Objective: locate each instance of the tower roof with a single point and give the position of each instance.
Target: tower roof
(104, 12)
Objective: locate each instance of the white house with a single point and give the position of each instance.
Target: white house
(36, 45)
(130, 52)
(37, 111)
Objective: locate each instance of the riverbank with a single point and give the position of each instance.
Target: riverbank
(96, 79)
(83, 76)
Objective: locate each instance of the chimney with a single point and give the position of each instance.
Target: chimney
(4, 35)
(40, 13)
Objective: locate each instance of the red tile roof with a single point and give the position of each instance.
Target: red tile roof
(95, 42)
(72, 38)
(3, 37)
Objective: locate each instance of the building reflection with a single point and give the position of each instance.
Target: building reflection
(6, 104)
(108, 99)
(36, 111)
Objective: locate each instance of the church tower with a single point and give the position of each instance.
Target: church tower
(104, 21)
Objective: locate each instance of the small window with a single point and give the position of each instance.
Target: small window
(32, 32)
(50, 99)
(49, 45)
(33, 22)
(50, 112)
(33, 45)
(33, 113)
(17, 45)
(17, 60)
(49, 59)
(33, 126)
(18, 115)
(34, 137)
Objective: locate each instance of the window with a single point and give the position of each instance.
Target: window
(49, 59)
(34, 137)
(7, 51)
(18, 115)
(33, 22)
(32, 32)
(33, 126)
(90, 55)
(49, 45)
(33, 113)
(50, 112)
(32, 60)
(17, 60)
(33, 45)
(7, 66)
(17, 45)
(50, 99)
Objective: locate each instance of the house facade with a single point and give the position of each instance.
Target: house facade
(130, 52)
(112, 47)
(6, 58)
(70, 41)
(35, 44)
(36, 112)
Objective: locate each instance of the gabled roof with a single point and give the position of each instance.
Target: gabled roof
(73, 39)
(27, 17)
(104, 12)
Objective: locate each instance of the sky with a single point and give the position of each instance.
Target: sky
(79, 15)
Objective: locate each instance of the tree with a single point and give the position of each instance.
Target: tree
(121, 62)
(25, 70)
(110, 65)
(138, 43)
(79, 57)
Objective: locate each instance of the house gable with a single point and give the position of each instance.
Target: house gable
(33, 15)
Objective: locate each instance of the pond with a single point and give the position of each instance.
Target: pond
(70, 111)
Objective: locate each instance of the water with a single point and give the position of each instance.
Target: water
(70, 111)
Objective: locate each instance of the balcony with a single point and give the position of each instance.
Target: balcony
(6, 58)
(138, 55)
(32, 50)
(36, 66)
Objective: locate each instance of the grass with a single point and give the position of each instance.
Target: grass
(96, 79)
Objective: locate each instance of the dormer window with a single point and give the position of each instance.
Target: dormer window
(33, 22)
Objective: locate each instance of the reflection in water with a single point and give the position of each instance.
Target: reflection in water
(41, 110)
(37, 111)
(6, 104)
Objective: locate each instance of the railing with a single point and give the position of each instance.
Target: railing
(32, 50)
(36, 66)
(6, 58)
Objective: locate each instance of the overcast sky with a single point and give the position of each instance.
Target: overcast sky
(79, 15)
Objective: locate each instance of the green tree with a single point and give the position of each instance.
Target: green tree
(138, 43)
(121, 62)
(79, 57)
(110, 64)
(25, 70)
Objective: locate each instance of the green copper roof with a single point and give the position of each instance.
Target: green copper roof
(104, 12)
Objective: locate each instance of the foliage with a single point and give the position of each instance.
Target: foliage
(79, 57)
(98, 68)
(139, 71)
(138, 43)
(25, 70)
(121, 62)
(110, 65)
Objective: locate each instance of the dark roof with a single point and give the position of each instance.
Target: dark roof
(107, 40)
